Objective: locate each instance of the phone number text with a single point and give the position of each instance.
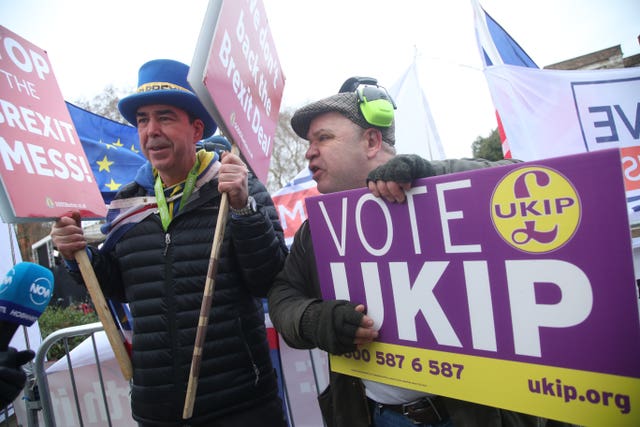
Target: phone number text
(417, 364)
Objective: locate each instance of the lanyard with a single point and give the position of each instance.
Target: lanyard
(165, 214)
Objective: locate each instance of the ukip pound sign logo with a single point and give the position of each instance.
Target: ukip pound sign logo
(535, 209)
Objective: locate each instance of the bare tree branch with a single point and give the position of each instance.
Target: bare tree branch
(287, 158)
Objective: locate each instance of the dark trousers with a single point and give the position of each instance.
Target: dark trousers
(473, 414)
(270, 414)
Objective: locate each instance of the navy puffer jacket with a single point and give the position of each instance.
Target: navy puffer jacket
(162, 276)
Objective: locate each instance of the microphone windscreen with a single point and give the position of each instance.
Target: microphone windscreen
(25, 292)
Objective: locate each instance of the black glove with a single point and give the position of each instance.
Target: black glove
(331, 325)
(12, 377)
(402, 168)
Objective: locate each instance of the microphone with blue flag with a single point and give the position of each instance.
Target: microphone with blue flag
(24, 294)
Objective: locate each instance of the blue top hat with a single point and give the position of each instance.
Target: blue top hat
(164, 81)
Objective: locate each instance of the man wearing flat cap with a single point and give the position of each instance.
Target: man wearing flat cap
(351, 145)
(160, 229)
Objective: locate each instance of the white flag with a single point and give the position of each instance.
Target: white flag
(550, 113)
(416, 131)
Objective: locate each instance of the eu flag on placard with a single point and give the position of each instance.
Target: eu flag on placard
(112, 149)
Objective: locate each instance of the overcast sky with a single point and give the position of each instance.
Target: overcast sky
(93, 44)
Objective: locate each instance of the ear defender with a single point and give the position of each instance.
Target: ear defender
(375, 102)
(376, 105)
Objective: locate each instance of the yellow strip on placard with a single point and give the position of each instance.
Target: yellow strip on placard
(579, 397)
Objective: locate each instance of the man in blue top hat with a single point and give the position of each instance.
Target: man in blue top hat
(159, 231)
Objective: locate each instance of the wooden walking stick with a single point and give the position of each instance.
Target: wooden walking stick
(100, 304)
(207, 299)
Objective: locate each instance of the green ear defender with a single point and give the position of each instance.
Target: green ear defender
(376, 106)
(375, 102)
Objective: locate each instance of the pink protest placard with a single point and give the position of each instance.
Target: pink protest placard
(43, 168)
(241, 81)
(511, 286)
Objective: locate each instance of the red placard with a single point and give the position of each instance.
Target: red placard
(44, 172)
(237, 76)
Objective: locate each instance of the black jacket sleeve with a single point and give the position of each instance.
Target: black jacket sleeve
(294, 289)
(407, 167)
(259, 241)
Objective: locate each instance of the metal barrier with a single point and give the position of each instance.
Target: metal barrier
(90, 391)
(41, 376)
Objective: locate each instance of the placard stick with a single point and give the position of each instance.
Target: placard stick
(207, 299)
(100, 304)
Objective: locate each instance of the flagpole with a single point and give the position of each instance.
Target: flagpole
(207, 299)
